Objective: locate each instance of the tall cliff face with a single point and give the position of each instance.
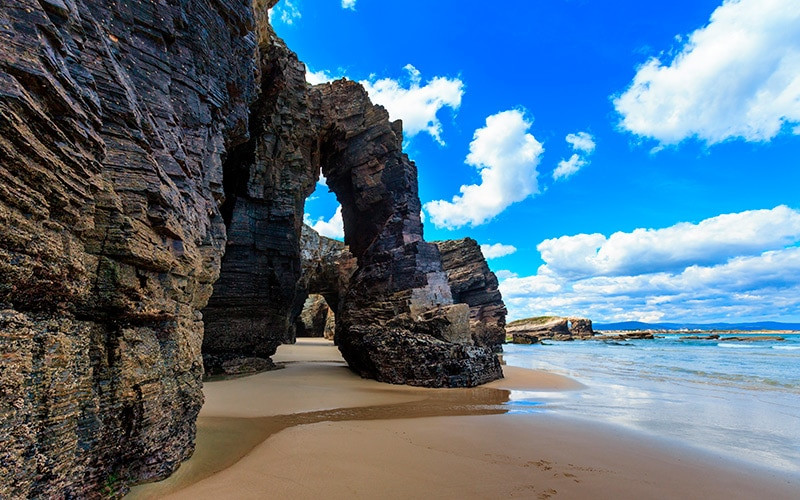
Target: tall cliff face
(266, 182)
(114, 120)
(473, 283)
(139, 143)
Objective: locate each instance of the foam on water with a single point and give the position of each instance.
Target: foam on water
(740, 399)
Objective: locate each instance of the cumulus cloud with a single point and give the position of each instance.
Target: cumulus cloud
(582, 141)
(736, 77)
(287, 11)
(416, 104)
(711, 241)
(566, 168)
(743, 266)
(321, 76)
(349, 4)
(504, 274)
(332, 228)
(506, 156)
(583, 144)
(497, 250)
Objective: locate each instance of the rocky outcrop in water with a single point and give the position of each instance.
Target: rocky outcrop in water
(535, 330)
(473, 283)
(114, 121)
(140, 143)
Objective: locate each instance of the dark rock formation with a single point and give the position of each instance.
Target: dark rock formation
(580, 327)
(314, 319)
(424, 359)
(398, 272)
(473, 283)
(357, 148)
(139, 142)
(266, 182)
(535, 330)
(115, 118)
(327, 266)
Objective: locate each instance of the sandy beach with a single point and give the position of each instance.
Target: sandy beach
(315, 430)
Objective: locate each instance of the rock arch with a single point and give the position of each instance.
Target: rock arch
(399, 294)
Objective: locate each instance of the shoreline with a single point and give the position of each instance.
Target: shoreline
(315, 429)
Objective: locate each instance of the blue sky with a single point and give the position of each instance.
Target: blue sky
(620, 160)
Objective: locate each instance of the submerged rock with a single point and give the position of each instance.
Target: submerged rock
(535, 330)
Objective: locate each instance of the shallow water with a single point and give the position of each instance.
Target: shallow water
(223, 441)
(740, 399)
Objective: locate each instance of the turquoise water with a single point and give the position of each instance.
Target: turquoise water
(737, 399)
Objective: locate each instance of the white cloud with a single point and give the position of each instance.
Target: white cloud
(287, 12)
(416, 104)
(349, 4)
(333, 228)
(738, 76)
(735, 267)
(506, 157)
(711, 241)
(566, 168)
(317, 77)
(497, 250)
(583, 143)
(504, 274)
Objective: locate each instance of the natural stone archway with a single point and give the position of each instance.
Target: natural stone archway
(327, 267)
(316, 320)
(398, 322)
(141, 141)
(295, 131)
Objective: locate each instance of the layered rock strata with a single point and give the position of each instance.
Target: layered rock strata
(316, 319)
(115, 118)
(266, 181)
(140, 142)
(473, 283)
(535, 330)
(398, 272)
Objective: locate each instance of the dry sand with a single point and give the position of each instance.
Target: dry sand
(315, 430)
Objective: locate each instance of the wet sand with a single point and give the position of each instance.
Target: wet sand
(315, 430)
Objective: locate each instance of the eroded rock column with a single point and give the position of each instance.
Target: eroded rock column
(398, 322)
(473, 283)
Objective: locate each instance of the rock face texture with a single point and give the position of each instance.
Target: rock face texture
(114, 121)
(266, 181)
(473, 283)
(140, 142)
(535, 330)
(317, 319)
(398, 272)
(296, 131)
(327, 266)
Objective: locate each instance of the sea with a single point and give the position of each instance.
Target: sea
(737, 399)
